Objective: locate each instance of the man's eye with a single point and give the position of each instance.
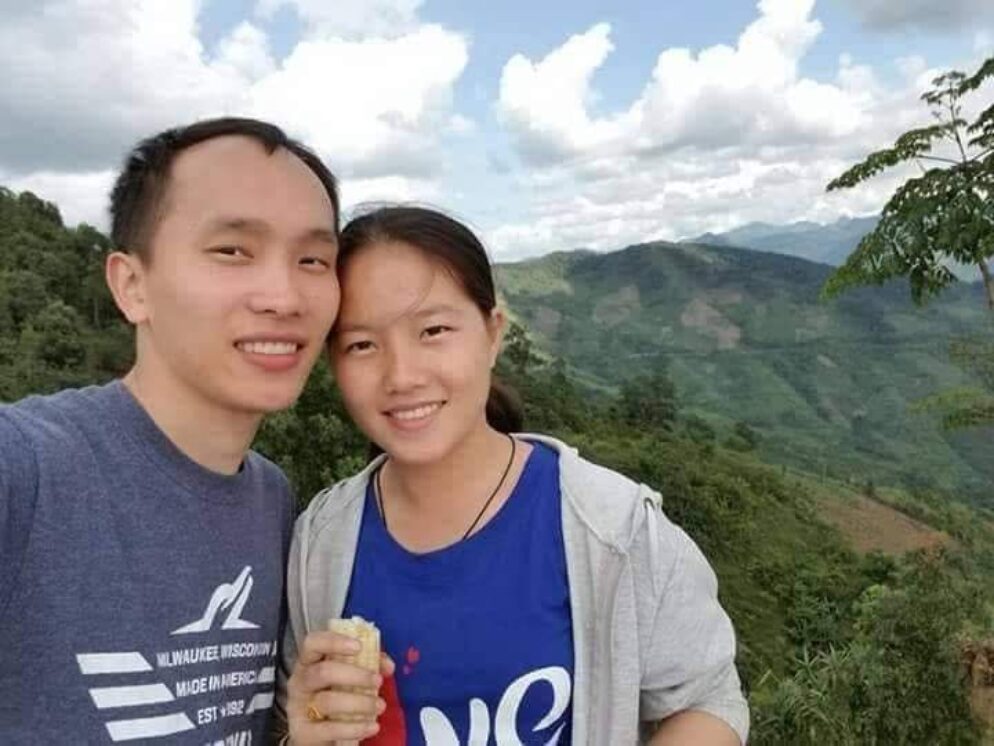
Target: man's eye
(233, 251)
(316, 262)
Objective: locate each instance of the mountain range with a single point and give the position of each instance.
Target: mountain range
(827, 244)
(829, 386)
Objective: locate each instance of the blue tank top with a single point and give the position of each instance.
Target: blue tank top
(480, 630)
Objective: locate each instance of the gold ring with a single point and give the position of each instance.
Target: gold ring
(314, 714)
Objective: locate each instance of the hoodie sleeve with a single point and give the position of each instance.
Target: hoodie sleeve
(688, 653)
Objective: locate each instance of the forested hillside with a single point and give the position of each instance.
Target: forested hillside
(837, 646)
(58, 324)
(829, 387)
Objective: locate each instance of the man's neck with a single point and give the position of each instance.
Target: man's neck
(212, 436)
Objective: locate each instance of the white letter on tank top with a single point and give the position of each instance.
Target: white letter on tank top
(438, 731)
(505, 725)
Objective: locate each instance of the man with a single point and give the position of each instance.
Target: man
(142, 545)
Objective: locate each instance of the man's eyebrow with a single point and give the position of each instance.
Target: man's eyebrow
(250, 225)
(254, 225)
(321, 234)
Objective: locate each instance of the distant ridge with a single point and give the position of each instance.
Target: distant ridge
(827, 244)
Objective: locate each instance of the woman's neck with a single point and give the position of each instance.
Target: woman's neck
(431, 505)
(438, 484)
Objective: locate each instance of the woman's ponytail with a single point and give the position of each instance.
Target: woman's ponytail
(505, 411)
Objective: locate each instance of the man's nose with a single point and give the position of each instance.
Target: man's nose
(277, 291)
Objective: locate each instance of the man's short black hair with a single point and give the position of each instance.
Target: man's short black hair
(136, 200)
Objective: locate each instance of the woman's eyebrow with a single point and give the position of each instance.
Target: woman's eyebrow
(348, 328)
(421, 313)
(434, 310)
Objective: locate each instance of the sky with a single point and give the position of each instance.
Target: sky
(546, 126)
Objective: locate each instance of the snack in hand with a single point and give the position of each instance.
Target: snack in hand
(368, 657)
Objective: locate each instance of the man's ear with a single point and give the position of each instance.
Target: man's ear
(125, 275)
(496, 325)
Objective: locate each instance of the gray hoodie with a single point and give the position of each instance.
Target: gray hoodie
(649, 635)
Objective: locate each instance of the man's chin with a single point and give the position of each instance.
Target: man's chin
(270, 402)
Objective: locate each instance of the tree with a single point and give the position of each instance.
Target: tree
(60, 336)
(944, 214)
(649, 401)
(743, 437)
(518, 348)
(966, 406)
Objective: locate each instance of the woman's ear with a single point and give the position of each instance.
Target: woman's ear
(125, 275)
(496, 325)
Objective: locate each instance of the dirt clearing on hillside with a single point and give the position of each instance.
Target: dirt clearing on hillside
(870, 525)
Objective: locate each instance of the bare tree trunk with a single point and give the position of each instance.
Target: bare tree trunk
(985, 271)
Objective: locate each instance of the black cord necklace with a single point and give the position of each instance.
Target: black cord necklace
(383, 515)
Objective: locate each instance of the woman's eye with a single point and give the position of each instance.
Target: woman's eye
(360, 346)
(434, 331)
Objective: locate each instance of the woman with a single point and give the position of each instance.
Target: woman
(527, 595)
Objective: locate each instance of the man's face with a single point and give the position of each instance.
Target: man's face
(240, 287)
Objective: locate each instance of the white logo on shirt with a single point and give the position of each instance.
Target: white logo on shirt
(231, 596)
(438, 730)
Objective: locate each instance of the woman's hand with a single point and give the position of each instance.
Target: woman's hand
(322, 684)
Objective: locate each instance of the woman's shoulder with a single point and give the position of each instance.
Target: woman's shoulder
(331, 503)
(605, 501)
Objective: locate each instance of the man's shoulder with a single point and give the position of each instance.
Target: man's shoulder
(36, 432)
(38, 419)
(272, 477)
(271, 471)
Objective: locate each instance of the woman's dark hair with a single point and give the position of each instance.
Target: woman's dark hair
(455, 247)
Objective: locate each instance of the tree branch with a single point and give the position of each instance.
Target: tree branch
(942, 160)
(954, 126)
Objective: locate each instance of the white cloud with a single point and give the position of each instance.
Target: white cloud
(983, 41)
(887, 15)
(357, 194)
(82, 82)
(545, 103)
(80, 197)
(373, 106)
(716, 138)
(349, 18)
(722, 96)
(246, 51)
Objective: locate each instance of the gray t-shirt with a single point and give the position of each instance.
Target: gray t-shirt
(141, 595)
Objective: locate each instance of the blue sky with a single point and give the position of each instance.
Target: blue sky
(546, 125)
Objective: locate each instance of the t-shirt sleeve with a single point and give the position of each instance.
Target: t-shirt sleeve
(18, 493)
(288, 645)
(690, 661)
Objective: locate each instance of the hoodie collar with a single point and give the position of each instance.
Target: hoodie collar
(610, 505)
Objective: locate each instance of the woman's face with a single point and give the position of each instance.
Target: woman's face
(412, 352)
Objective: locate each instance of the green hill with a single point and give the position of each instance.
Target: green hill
(829, 387)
